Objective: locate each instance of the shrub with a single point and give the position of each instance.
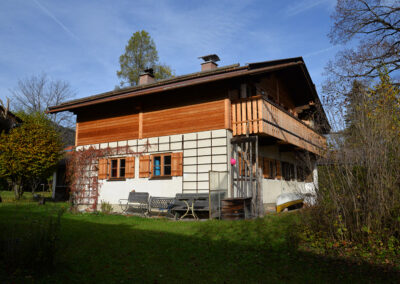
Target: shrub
(359, 181)
(106, 207)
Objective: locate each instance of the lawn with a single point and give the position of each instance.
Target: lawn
(8, 196)
(117, 249)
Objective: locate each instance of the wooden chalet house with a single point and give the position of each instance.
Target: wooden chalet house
(253, 131)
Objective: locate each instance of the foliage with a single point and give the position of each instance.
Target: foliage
(359, 195)
(29, 152)
(82, 179)
(140, 53)
(82, 173)
(106, 207)
(375, 26)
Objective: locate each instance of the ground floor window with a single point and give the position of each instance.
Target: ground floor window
(161, 165)
(304, 174)
(288, 171)
(117, 168)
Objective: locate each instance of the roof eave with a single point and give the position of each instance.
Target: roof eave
(196, 80)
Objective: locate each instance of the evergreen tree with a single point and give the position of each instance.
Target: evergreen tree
(140, 53)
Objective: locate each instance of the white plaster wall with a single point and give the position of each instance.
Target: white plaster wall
(112, 191)
(202, 152)
(274, 187)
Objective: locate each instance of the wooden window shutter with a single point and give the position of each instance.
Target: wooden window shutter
(144, 166)
(130, 167)
(176, 164)
(103, 168)
(278, 170)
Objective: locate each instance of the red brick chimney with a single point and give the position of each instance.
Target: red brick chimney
(146, 77)
(209, 62)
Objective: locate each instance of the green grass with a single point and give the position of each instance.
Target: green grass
(8, 196)
(117, 249)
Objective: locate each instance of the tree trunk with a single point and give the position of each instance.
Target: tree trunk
(18, 189)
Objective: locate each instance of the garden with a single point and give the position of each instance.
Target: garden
(48, 243)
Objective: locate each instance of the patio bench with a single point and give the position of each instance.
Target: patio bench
(162, 204)
(136, 200)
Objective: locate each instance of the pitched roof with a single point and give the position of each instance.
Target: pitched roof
(221, 73)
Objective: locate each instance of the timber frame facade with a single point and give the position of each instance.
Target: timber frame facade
(185, 129)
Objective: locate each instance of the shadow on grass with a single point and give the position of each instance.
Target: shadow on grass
(110, 249)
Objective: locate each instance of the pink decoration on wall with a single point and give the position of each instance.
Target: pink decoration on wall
(233, 162)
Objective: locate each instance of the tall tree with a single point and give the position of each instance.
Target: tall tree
(38, 92)
(373, 26)
(30, 152)
(140, 53)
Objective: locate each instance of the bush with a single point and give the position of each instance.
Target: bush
(358, 210)
(106, 207)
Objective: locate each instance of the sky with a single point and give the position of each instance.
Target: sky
(80, 41)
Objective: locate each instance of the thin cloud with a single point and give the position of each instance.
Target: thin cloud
(54, 18)
(317, 52)
(303, 6)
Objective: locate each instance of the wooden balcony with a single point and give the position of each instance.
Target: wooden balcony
(256, 115)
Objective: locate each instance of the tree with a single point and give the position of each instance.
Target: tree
(375, 25)
(29, 152)
(140, 53)
(359, 188)
(37, 93)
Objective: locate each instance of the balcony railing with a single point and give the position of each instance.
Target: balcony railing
(256, 115)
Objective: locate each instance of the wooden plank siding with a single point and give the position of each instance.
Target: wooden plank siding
(108, 129)
(197, 117)
(268, 119)
(184, 119)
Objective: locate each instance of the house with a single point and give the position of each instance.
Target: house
(253, 131)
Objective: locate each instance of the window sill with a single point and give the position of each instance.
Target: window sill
(116, 179)
(160, 177)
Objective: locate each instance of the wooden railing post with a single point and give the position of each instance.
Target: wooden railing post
(260, 115)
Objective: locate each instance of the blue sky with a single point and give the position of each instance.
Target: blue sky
(81, 41)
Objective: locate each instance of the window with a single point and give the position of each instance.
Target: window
(272, 169)
(288, 171)
(117, 168)
(304, 174)
(161, 165)
(269, 168)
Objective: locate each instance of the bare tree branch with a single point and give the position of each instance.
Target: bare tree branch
(38, 92)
